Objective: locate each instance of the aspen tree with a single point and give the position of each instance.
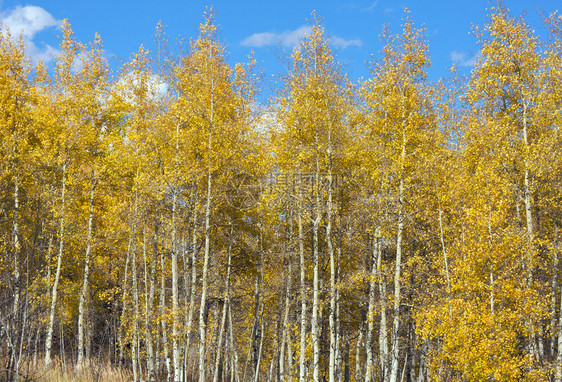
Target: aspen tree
(510, 56)
(313, 112)
(548, 172)
(494, 256)
(136, 96)
(95, 75)
(211, 110)
(396, 104)
(17, 132)
(67, 116)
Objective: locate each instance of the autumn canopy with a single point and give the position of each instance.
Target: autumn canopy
(160, 224)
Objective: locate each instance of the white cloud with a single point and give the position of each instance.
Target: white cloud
(291, 38)
(156, 86)
(46, 54)
(28, 21)
(343, 43)
(462, 59)
(371, 7)
(288, 38)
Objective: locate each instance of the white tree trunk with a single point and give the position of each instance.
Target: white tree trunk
(383, 337)
(369, 363)
(316, 278)
(150, 367)
(284, 335)
(558, 376)
(162, 309)
(333, 292)
(202, 323)
(50, 326)
(175, 293)
(395, 339)
(302, 370)
(84, 291)
(358, 345)
(225, 304)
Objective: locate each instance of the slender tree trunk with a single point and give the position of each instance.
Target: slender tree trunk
(285, 330)
(202, 323)
(162, 309)
(369, 364)
(302, 371)
(16, 246)
(175, 293)
(150, 367)
(316, 277)
(225, 304)
(50, 326)
(289, 357)
(530, 232)
(558, 368)
(175, 287)
(24, 323)
(257, 374)
(256, 334)
(383, 338)
(395, 339)
(135, 344)
(554, 286)
(339, 355)
(527, 195)
(193, 279)
(358, 344)
(83, 293)
(16, 259)
(333, 292)
(347, 371)
(233, 351)
(558, 376)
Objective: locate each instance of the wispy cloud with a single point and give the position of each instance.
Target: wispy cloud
(346, 7)
(28, 21)
(371, 7)
(290, 38)
(343, 43)
(462, 59)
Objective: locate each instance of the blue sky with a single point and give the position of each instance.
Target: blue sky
(265, 27)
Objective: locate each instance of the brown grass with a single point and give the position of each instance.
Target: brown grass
(90, 372)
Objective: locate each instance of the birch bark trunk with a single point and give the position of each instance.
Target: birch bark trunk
(302, 370)
(50, 326)
(383, 337)
(316, 276)
(150, 366)
(202, 323)
(16, 248)
(333, 292)
(162, 309)
(225, 305)
(193, 278)
(175, 287)
(284, 334)
(395, 339)
(84, 291)
(369, 364)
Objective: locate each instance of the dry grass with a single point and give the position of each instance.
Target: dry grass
(90, 372)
